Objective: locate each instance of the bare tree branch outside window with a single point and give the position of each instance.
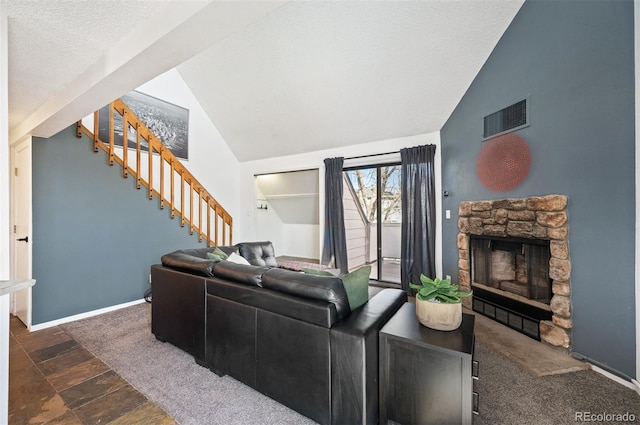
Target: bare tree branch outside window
(364, 184)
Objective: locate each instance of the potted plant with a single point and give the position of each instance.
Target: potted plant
(439, 303)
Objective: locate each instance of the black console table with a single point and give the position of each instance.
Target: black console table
(426, 376)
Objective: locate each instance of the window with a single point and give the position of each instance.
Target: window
(373, 218)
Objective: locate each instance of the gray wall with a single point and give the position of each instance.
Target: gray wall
(94, 234)
(575, 61)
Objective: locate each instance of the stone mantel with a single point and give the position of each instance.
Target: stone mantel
(538, 217)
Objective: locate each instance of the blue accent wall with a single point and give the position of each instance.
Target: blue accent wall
(94, 234)
(574, 60)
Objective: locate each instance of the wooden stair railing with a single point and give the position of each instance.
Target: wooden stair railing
(215, 225)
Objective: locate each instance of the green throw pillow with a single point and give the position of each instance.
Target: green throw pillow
(317, 272)
(217, 255)
(212, 256)
(356, 284)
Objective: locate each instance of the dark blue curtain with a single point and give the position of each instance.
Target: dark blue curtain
(418, 214)
(334, 248)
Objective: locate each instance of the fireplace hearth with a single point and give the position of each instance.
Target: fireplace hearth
(514, 255)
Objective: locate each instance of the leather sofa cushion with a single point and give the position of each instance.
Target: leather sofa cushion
(323, 288)
(307, 310)
(194, 260)
(202, 252)
(258, 253)
(251, 275)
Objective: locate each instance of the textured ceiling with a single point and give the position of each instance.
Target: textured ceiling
(53, 42)
(275, 77)
(322, 74)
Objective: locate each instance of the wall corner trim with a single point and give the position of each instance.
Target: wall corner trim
(636, 30)
(633, 384)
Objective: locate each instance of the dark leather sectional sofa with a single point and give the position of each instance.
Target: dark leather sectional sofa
(289, 335)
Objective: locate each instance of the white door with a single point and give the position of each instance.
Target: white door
(21, 213)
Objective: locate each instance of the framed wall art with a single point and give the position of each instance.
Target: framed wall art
(169, 122)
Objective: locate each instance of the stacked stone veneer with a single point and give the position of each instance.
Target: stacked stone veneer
(540, 217)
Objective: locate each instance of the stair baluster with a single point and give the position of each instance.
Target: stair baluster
(176, 169)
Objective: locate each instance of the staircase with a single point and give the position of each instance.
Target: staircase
(159, 171)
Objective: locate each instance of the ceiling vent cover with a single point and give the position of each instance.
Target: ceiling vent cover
(510, 118)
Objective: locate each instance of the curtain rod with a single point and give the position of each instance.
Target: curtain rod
(371, 155)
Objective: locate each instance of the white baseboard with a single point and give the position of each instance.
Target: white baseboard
(75, 317)
(634, 385)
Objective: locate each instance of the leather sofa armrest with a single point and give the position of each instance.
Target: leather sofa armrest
(250, 275)
(188, 263)
(374, 314)
(354, 356)
(178, 309)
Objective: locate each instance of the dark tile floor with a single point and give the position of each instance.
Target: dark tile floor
(54, 380)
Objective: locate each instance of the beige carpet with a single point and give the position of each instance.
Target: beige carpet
(509, 392)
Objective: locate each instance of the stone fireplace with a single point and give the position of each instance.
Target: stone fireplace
(514, 255)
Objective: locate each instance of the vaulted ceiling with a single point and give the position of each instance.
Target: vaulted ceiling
(275, 77)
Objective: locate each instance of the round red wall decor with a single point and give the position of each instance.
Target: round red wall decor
(503, 162)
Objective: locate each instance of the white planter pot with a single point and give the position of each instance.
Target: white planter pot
(439, 316)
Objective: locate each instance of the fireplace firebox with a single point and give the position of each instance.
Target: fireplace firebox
(514, 266)
(510, 280)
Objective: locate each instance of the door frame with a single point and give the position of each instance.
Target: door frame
(25, 144)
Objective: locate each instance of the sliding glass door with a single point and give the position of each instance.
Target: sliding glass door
(372, 205)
